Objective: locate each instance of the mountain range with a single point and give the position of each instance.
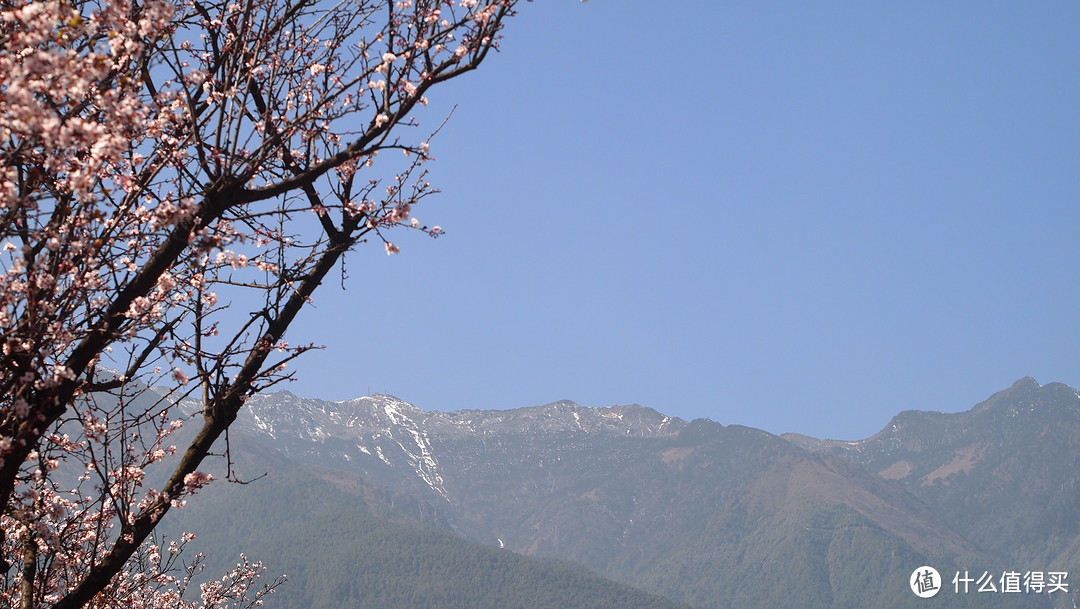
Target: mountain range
(639, 509)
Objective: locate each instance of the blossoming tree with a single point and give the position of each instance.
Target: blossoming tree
(161, 161)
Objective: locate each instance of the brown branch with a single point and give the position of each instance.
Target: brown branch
(217, 417)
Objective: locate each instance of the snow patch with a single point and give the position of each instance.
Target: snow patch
(264, 426)
(379, 452)
(423, 462)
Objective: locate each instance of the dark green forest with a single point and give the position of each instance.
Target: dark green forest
(336, 554)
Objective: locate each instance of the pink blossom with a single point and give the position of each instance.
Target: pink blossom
(196, 480)
(150, 154)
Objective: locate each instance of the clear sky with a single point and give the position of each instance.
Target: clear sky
(793, 216)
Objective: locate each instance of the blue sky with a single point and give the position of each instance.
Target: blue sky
(793, 216)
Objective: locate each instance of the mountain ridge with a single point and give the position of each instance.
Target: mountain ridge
(692, 510)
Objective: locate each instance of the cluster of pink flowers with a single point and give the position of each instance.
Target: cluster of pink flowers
(160, 162)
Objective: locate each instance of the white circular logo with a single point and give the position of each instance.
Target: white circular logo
(925, 582)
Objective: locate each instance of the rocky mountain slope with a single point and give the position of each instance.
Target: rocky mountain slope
(1003, 474)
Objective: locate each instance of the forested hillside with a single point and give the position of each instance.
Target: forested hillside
(337, 554)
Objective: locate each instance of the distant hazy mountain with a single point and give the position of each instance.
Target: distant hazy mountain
(1004, 474)
(700, 513)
